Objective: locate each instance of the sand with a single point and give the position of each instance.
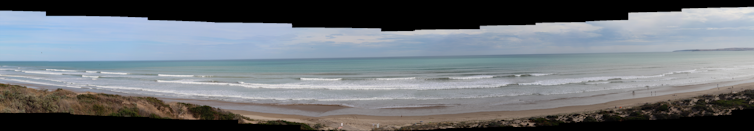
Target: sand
(365, 122)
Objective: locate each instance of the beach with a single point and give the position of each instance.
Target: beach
(365, 122)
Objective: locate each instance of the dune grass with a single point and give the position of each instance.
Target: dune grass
(19, 99)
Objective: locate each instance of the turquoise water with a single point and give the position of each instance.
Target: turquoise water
(380, 83)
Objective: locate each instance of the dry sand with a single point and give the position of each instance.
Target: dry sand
(364, 122)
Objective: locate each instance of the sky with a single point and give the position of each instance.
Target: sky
(33, 36)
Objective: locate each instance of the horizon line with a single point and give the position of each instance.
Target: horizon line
(332, 57)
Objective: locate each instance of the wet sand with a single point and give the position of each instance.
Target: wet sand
(364, 122)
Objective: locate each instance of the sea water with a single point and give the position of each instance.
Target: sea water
(374, 85)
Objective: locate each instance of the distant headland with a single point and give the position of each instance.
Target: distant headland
(723, 49)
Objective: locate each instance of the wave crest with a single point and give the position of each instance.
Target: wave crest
(321, 79)
(175, 75)
(117, 73)
(406, 78)
(471, 77)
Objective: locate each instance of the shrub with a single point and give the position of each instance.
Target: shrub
(663, 107)
(209, 113)
(203, 112)
(108, 95)
(611, 117)
(127, 112)
(98, 109)
(701, 108)
(153, 116)
(589, 119)
(282, 122)
(685, 113)
(635, 113)
(708, 114)
(86, 96)
(730, 103)
(319, 126)
(700, 102)
(490, 124)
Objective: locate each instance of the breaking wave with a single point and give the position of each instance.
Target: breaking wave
(321, 79)
(175, 75)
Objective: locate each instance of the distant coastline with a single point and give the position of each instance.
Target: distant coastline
(723, 49)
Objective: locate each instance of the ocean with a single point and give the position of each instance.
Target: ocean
(383, 86)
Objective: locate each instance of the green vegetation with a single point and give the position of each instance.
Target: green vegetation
(546, 122)
(607, 117)
(589, 119)
(730, 103)
(19, 99)
(666, 116)
(282, 122)
(208, 113)
(98, 109)
(663, 107)
(636, 115)
(127, 112)
(318, 126)
(153, 116)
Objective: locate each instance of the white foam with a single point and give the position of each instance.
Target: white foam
(541, 74)
(175, 75)
(90, 76)
(595, 83)
(240, 82)
(585, 79)
(192, 82)
(517, 75)
(60, 70)
(117, 73)
(407, 106)
(321, 79)
(41, 83)
(677, 72)
(471, 77)
(91, 71)
(406, 78)
(353, 86)
(42, 72)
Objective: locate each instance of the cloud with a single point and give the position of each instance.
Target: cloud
(140, 38)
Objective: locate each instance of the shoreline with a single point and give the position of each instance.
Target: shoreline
(364, 122)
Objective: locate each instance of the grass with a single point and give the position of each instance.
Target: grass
(19, 99)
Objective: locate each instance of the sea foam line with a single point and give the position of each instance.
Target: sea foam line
(117, 73)
(345, 86)
(594, 79)
(406, 78)
(42, 72)
(90, 76)
(91, 71)
(321, 79)
(59, 70)
(471, 77)
(41, 83)
(541, 74)
(175, 75)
